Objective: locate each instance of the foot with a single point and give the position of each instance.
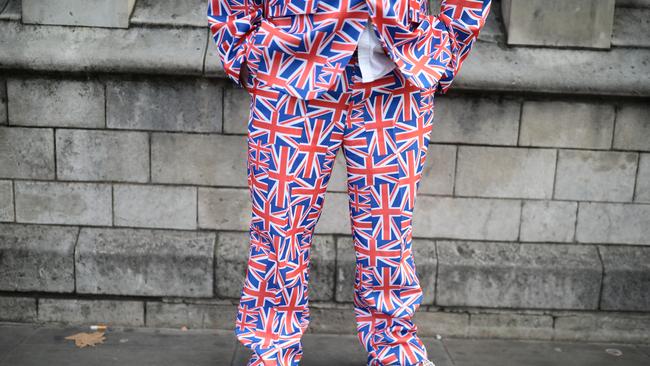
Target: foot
(426, 363)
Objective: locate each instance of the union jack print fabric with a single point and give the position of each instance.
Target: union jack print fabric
(302, 46)
(384, 128)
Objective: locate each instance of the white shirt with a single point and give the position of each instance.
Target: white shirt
(374, 63)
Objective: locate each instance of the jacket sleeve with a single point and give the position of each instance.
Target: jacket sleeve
(463, 19)
(232, 24)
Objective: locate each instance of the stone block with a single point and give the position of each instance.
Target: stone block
(199, 159)
(548, 221)
(37, 257)
(476, 120)
(224, 209)
(448, 324)
(56, 102)
(335, 217)
(144, 262)
(613, 223)
(102, 155)
(642, 193)
(80, 311)
(26, 153)
(567, 124)
(192, 105)
(148, 50)
(632, 128)
(514, 275)
(626, 283)
(197, 316)
(505, 172)
(339, 179)
(6, 201)
(631, 27)
(174, 13)
(438, 172)
(166, 207)
(466, 218)
(551, 70)
(602, 326)
(556, 23)
(510, 326)
(236, 110)
(18, 309)
(332, 318)
(91, 13)
(63, 203)
(595, 175)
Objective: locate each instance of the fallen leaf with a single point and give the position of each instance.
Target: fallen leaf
(84, 339)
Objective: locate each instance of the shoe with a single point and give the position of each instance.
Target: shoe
(426, 363)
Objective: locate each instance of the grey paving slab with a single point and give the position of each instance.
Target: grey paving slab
(12, 335)
(124, 346)
(482, 352)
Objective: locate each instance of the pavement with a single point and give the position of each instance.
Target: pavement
(24, 344)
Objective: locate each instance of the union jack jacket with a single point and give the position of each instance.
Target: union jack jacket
(302, 46)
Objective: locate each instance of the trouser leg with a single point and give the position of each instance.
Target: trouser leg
(385, 145)
(292, 144)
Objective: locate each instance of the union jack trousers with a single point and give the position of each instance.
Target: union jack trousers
(384, 128)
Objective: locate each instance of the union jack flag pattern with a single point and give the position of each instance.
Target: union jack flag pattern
(302, 46)
(384, 128)
(307, 102)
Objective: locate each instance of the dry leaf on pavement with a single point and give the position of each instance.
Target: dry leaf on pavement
(84, 339)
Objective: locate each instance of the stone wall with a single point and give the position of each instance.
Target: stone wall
(123, 192)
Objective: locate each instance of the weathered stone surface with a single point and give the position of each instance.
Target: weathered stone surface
(199, 159)
(145, 262)
(476, 120)
(631, 27)
(613, 223)
(201, 316)
(642, 193)
(3, 102)
(102, 155)
(603, 327)
(6, 201)
(12, 10)
(595, 175)
(17, 309)
(626, 283)
(77, 311)
(26, 153)
(567, 124)
(164, 104)
(155, 206)
(345, 268)
(632, 127)
(339, 179)
(505, 325)
(176, 13)
(63, 203)
(56, 102)
(336, 318)
(137, 49)
(236, 110)
(94, 13)
(619, 71)
(633, 3)
(549, 221)
(553, 22)
(505, 172)
(335, 217)
(37, 257)
(466, 218)
(526, 275)
(438, 172)
(224, 209)
(433, 323)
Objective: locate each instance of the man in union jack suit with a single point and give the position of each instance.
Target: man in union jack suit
(327, 75)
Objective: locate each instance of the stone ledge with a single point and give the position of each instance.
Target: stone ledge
(148, 49)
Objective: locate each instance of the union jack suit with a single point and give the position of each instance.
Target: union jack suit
(307, 103)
